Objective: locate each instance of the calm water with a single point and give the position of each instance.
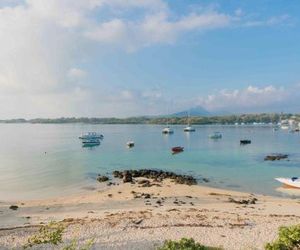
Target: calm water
(41, 161)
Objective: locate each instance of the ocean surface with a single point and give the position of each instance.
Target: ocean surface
(48, 160)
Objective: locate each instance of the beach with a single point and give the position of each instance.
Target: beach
(137, 216)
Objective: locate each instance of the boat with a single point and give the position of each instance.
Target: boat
(292, 182)
(130, 144)
(215, 135)
(244, 142)
(189, 128)
(90, 142)
(167, 130)
(91, 135)
(176, 150)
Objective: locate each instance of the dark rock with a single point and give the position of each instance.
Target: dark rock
(244, 202)
(157, 175)
(205, 180)
(127, 176)
(147, 196)
(102, 178)
(13, 207)
(117, 174)
(276, 157)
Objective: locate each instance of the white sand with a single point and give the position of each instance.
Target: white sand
(117, 220)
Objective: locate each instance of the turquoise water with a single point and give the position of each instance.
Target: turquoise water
(41, 161)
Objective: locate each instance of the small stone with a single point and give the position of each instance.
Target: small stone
(13, 207)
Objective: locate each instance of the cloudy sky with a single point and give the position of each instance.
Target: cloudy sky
(121, 58)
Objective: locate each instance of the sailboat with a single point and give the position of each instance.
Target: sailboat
(189, 128)
(167, 129)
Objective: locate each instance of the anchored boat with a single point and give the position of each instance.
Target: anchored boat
(91, 135)
(176, 150)
(167, 130)
(130, 144)
(90, 142)
(215, 135)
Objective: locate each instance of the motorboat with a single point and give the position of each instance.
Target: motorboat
(130, 144)
(167, 130)
(91, 135)
(215, 135)
(292, 182)
(90, 142)
(176, 150)
(189, 129)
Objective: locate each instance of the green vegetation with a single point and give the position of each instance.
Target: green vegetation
(185, 244)
(200, 120)
(288, 239)
(53, 234)
(48, 234)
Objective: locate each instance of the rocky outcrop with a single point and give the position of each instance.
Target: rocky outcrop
(157, 175)
(127, 176)
(102, 178)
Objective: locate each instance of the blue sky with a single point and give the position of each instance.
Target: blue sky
(139, 57)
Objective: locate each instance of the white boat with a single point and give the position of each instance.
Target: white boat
(90, 142)
(167, 130)
(189, 128)
(130, 144)
(215, 135)
(91, 135)
(293, 182)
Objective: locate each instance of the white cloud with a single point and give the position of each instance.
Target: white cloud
(76, 73)
(272, 21)
(154, 28)
(43, 42)
(250, 98)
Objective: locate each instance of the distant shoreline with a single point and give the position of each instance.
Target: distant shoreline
(263, 118)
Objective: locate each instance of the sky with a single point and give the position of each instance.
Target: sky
(121, 58)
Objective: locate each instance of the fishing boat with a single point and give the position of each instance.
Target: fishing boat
(90, 142)
(91, 135)
(215, 135)
(130, 144)
(176, 150)
(292, 182)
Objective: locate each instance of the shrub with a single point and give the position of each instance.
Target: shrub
(288, 239)
(51, 233)
(185, 244)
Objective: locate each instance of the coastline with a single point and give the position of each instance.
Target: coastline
(130, 216)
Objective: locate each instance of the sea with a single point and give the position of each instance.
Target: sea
(39, 161)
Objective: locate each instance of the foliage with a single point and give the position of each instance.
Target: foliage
(51, 233)
(288, 239)
(185, 244)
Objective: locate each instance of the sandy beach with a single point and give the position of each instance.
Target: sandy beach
(130, 216)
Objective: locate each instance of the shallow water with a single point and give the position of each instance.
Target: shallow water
(48, 160)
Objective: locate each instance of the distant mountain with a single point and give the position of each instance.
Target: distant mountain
(196, 111)
(199, 111)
